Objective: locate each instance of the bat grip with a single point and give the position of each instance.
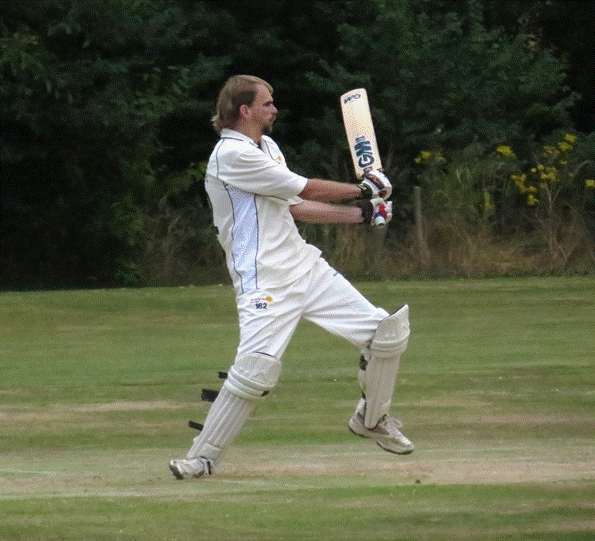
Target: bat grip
(379, 221)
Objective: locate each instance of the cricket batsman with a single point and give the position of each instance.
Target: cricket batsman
(280, 279)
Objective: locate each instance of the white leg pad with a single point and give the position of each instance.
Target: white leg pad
(224, 421)
(248, 380)
(379, 376)
(253, 376)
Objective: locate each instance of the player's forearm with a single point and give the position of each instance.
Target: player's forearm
(323, 213)
(328, 190)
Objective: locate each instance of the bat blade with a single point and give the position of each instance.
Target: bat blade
(359, 129)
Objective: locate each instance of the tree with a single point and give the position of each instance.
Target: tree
(105, 106)
(85, 85)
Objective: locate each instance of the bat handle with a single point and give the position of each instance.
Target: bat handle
(379, 221)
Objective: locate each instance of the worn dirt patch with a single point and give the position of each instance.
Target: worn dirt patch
(471, 465)
(484, 449)
(63, 412)
(250, 467)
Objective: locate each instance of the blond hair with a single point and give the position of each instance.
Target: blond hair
(238, 90)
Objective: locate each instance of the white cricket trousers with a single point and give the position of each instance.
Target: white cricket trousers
(268, 318)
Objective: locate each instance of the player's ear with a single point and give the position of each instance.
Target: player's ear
(244, 111)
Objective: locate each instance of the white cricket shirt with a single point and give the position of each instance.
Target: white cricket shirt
(251, 190)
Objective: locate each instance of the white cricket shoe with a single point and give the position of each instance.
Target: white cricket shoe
(184, 468)
(386, 434)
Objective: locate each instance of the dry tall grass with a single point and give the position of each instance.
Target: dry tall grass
(178, 252)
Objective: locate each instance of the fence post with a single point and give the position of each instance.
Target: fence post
(422, 248)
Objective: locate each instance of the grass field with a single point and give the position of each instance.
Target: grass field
(496, 389)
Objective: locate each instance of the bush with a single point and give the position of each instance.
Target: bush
(538, 210)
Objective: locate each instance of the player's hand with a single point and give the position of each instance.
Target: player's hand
(375, 184)
(377, 212)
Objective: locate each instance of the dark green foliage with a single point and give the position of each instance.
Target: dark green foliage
(87, 86)
(105, 107)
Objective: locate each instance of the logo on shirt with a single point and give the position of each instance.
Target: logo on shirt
(261, 303)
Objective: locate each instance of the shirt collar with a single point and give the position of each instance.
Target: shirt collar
(227, 133)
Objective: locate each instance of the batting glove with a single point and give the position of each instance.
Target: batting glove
(375, 184)
(377, 212)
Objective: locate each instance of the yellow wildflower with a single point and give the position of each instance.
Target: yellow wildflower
(550, 151)
(519, 181)
(590, 183)
(564, 146)
(569, 138)
(532, 200)
(518, 178)
(505, 151)
(429, 157)
(549, 174)
(424, 156)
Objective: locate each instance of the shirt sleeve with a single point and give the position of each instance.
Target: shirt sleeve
(254, 172)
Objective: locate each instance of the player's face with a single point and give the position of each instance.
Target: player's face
(263, 111)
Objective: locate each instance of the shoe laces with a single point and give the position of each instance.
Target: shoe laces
(386, 421)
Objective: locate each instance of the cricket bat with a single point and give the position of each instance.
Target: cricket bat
(360, 131)
(361, 137)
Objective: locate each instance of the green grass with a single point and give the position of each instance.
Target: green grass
(496, 390)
